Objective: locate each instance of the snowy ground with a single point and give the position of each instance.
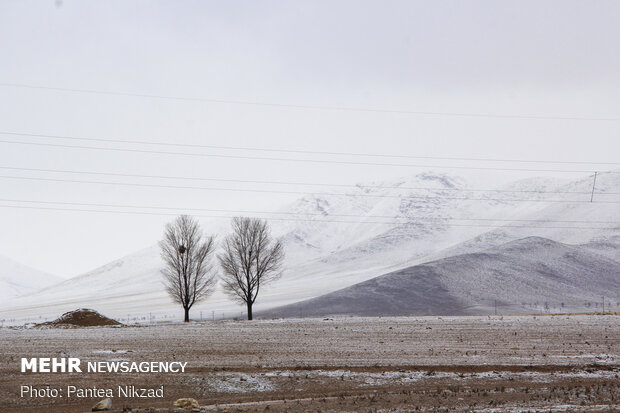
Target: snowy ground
(349, 364)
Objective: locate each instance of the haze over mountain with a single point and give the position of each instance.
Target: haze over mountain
(338, 238)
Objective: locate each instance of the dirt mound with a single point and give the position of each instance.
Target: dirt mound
(83, 317)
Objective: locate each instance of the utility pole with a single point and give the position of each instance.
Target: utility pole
(593, 187)
(603, 303)
(495, 307)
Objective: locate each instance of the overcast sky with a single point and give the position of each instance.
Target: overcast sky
(523, 58)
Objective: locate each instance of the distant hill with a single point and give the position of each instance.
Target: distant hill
(526, 275)
(17, 279)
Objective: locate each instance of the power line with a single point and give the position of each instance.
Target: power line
(424, 197)
(322, 161)
(230, 211)
(289, 219)
(297, 151)
(312, 107)
(190, 178)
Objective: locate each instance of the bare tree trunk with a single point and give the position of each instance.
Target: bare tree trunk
(187, 315)
(249, 310)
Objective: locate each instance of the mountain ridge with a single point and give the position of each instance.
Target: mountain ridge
(393, 229)
(531, 271)
(17, 279)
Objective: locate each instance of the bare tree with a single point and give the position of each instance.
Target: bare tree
(188, 273)
(251, 259)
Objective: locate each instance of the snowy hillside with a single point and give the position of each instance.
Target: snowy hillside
(334, 240)
(17, 279)
(566, 216)
(528, 275)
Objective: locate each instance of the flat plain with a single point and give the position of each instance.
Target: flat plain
(486, 364)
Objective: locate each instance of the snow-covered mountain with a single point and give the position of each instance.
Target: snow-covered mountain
(524, 276)
(17, 279)
(338, 238)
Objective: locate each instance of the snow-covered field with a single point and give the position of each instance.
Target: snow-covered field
(344, 364)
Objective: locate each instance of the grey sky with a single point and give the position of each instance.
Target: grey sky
(545, 58)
